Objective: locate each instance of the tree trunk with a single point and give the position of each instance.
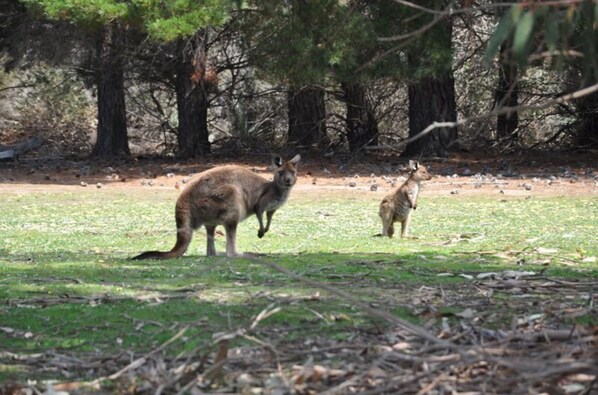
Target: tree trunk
(507, 95)
(112, 139)
(307, 116)
(192, 98)
(431, 100)
(362, 125)
(587, 113)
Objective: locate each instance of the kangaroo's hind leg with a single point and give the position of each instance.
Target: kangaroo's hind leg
(210, 245)
(231, 237)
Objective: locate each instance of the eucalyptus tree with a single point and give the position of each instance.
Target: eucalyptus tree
(561, 35)
(314, 47)
(425, 39)
(183, 28)
(103, 21)
(288, 45)
(117, 27)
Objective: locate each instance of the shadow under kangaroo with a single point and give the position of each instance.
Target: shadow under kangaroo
(226, 195)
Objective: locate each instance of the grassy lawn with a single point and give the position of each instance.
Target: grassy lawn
(66, 284)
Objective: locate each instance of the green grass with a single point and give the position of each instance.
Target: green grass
(66, 283)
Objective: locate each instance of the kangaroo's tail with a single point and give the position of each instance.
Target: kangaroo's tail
(184, 235)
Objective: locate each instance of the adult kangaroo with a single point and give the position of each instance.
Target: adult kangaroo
(226, 195)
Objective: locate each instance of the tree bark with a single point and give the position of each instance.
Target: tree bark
(307, 116)
(431, 100)
(507, 95)
(362, 125)
(587, 113)
(192, 98)
(112, 139)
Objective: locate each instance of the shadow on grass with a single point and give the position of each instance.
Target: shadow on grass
(66, 303)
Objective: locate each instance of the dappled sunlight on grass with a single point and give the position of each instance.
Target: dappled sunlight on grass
(67, 284)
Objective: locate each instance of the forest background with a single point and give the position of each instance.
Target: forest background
(184, 79)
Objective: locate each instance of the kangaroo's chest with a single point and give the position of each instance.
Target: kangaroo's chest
(275, 203)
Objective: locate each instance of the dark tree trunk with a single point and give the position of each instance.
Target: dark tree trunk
(431, 100)
(307, 116)
(587, 112)
(192, 99)
(507, 95)
(362, 125)
(112, 139)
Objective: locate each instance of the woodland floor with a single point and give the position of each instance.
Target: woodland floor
(548, 173)
(458, 359)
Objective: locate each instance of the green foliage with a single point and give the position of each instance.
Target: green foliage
(566, 31)
(163, 19)
(311, 43)
(168, 20)
(86, 13)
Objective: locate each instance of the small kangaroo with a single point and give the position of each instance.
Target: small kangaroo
(397, 206)
(227, 195)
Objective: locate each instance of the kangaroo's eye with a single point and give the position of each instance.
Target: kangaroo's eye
(281, 173)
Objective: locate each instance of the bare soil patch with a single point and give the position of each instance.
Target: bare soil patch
(530, 174)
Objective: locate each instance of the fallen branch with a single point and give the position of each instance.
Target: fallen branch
(13, 151)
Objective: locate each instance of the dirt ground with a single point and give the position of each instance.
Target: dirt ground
(572, 173)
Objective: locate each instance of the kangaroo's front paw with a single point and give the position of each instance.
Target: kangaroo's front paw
(415, 206)
(261, 233)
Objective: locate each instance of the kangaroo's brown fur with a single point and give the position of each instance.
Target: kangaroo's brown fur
(398, 205)
(227, 195)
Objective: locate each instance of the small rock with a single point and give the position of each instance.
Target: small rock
(143, 182)
(455, 192)
(374, 187)
(314, 181)
(352, 184)
(83, 184)
(528, 187)
(99, 185)
(177, 185)
(170, 175)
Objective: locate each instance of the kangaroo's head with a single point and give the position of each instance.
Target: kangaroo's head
(285, 174)
(419, 172)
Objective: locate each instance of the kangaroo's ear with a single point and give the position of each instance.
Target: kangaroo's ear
(296, 159)
(277, 160)
(413, 164)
